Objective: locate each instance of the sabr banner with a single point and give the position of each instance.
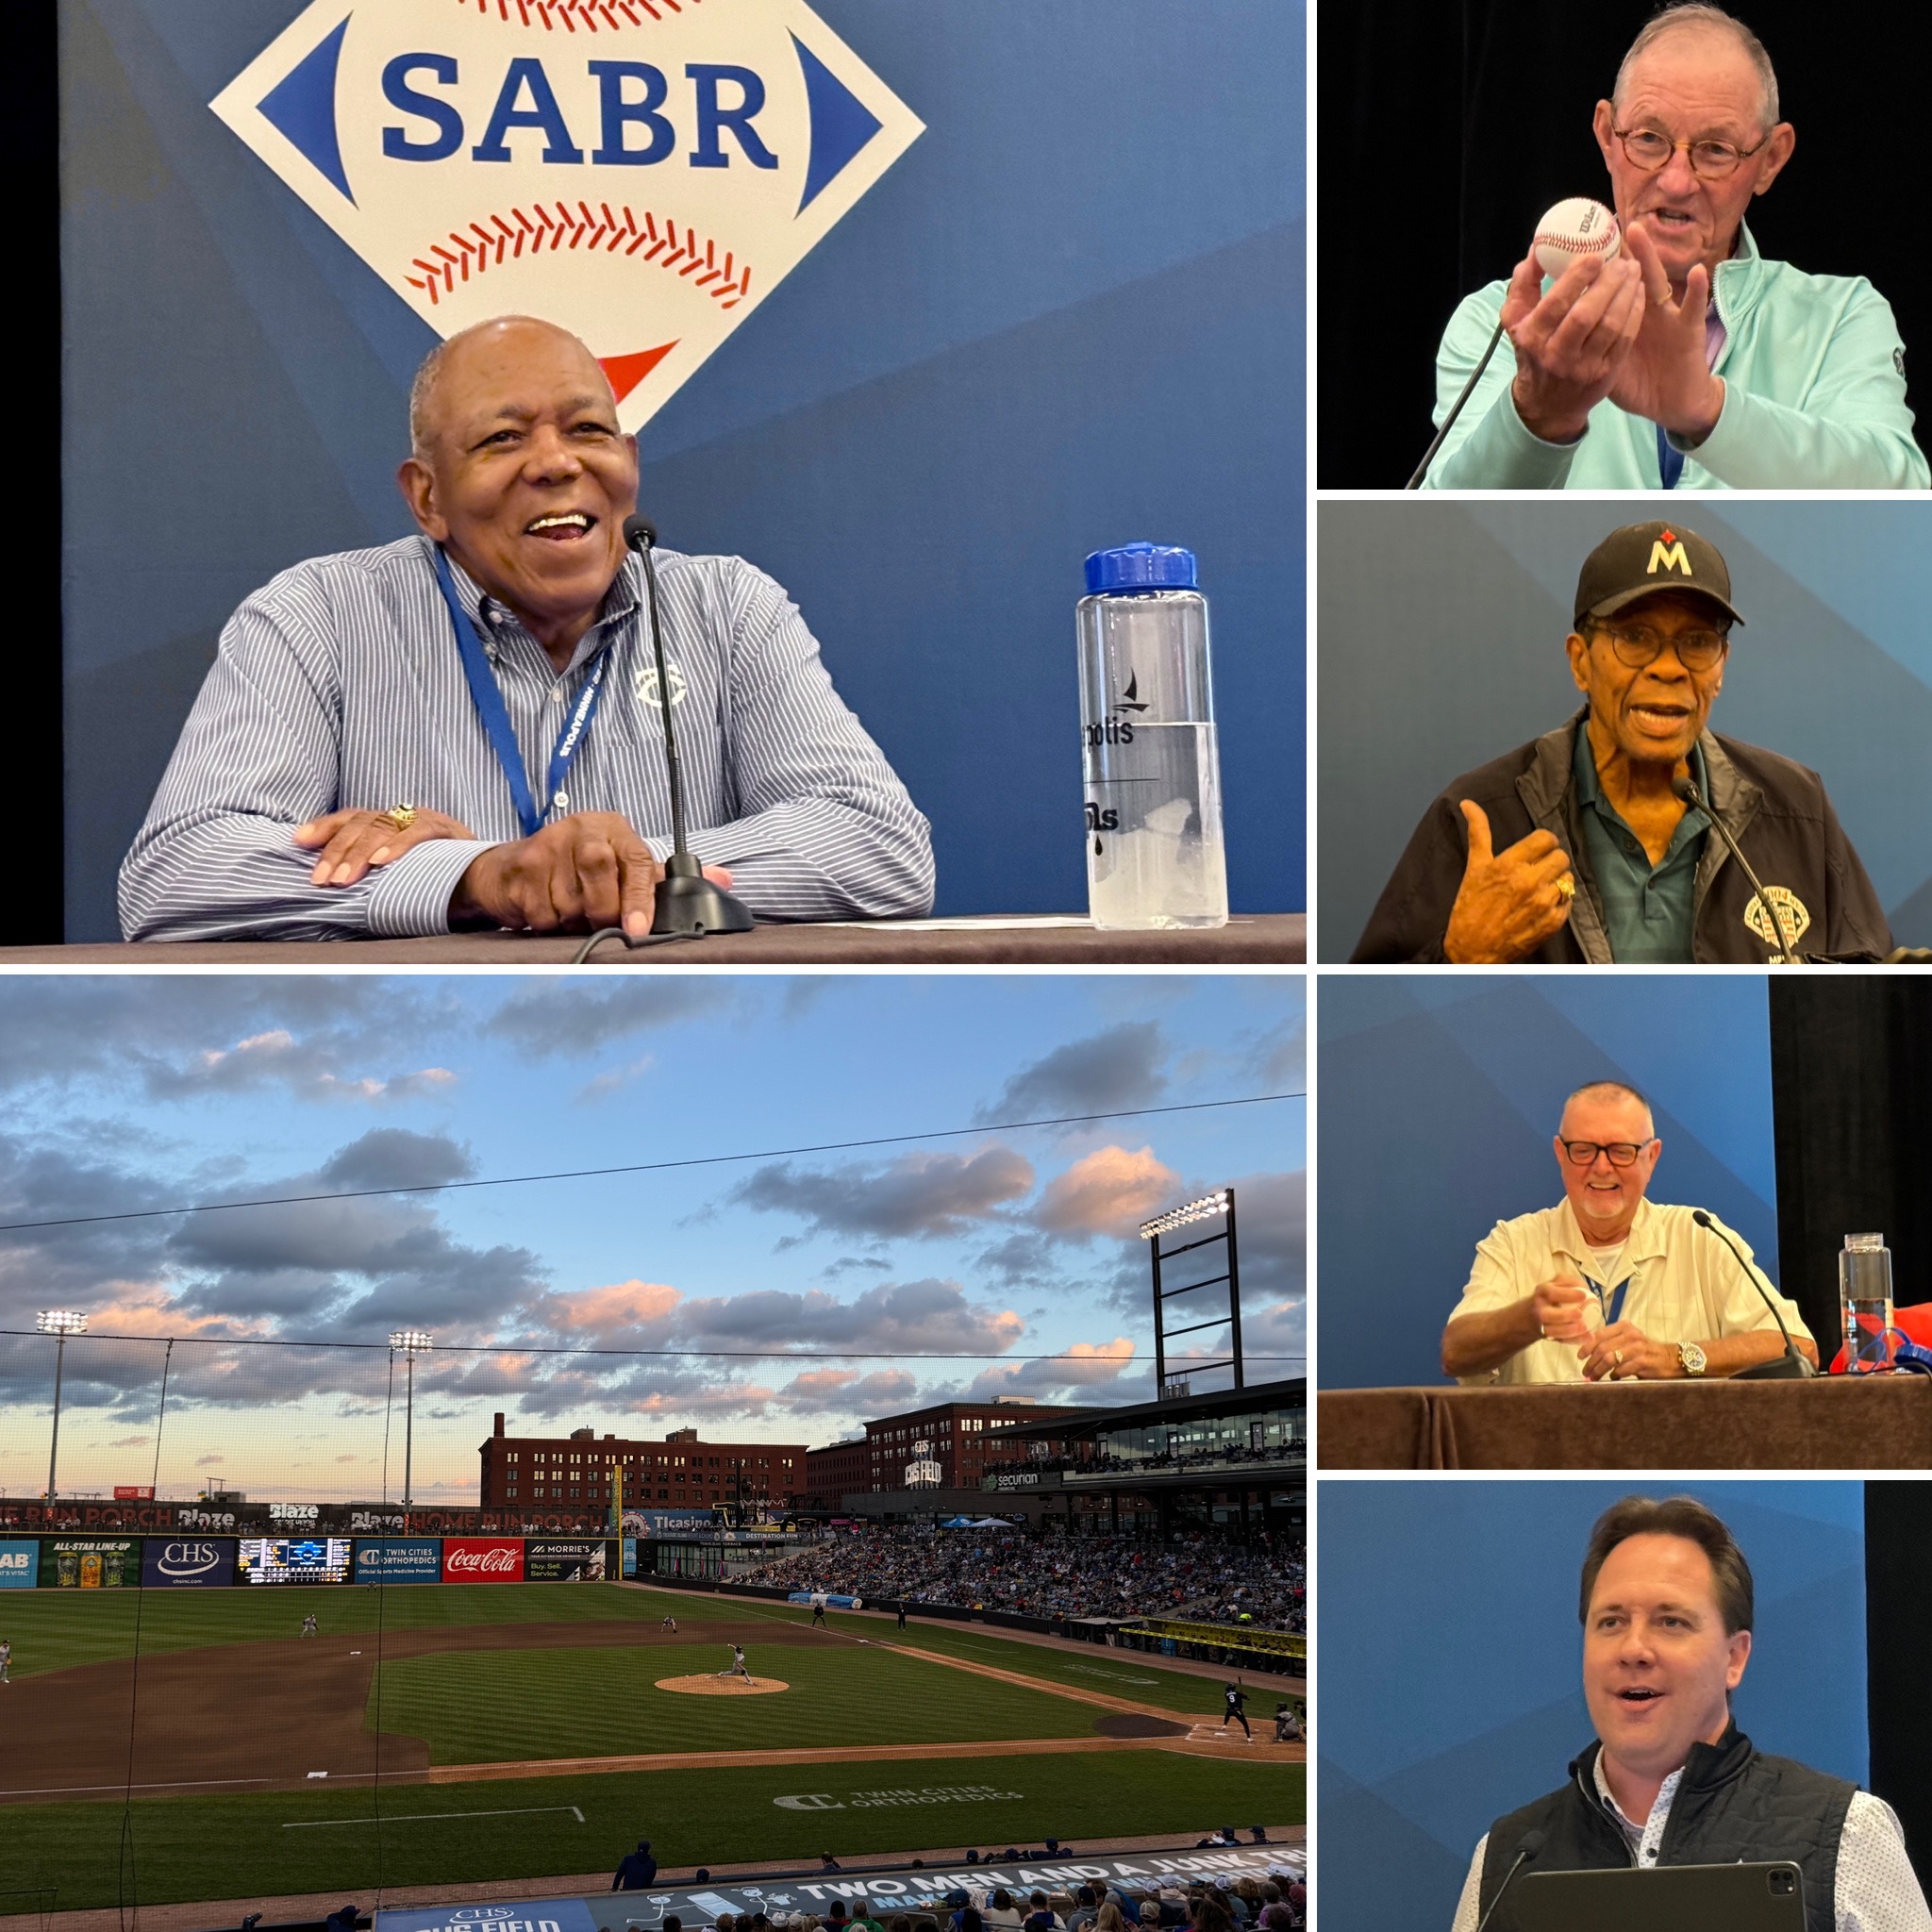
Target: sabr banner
(399, 1559)
(20, 1564)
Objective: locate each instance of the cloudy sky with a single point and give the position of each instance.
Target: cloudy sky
(793, 1295)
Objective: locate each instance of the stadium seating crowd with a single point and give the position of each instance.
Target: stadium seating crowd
(1261, 1584)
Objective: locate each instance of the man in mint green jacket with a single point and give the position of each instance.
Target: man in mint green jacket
(1687, 361)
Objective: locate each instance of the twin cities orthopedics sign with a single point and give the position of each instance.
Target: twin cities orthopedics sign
(187, 1562)
(643, 172)
(20, 1564)
(399, 1559)
(482, 1559)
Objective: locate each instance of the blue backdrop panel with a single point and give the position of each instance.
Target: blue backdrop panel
(1440, 629)
(1441, 1093)
(1071, 314)
(1450, 1655)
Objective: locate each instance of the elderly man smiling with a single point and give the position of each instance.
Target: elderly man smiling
(1690, 361)
(461, 729)
(1610, 1287)
(1583, 846)
(1667, 1606)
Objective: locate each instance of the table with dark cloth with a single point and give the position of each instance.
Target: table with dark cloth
(1835, 1422)
(1278, 938)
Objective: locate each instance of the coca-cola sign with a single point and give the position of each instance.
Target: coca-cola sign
(482, 1559)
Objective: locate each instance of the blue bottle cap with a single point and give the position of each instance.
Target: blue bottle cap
(1139, 567)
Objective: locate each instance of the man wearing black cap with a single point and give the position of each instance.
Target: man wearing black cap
(1595, 844)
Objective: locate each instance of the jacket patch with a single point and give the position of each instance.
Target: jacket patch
(1792, 913)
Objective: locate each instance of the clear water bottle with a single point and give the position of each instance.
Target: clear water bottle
(1864, 1296)
(1150, 761)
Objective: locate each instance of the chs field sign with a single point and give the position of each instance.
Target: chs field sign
(643, 172)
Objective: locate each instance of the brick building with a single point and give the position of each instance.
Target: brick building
(962, 1442)
(679, 1470)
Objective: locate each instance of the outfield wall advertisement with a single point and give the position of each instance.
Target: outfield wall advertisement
(188, 1563)
(399, 1559)
(20, 1565)
(91, 1562)
(573, 1563)
(482, 1559)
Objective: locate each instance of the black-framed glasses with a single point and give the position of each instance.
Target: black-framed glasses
(1637, 644)
(1621, 1153)
(1710, 161)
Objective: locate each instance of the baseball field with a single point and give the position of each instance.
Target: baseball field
(452, 1733)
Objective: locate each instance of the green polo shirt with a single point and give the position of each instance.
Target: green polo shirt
(1647, 909)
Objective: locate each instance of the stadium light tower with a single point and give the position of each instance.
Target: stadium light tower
(410, 1343)
(1219, 1205)
(59, 1323)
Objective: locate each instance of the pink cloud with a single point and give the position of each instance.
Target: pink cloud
(1107, 1192)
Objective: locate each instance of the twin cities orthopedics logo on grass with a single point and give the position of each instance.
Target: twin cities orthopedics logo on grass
(643, 172)
(922, 1794)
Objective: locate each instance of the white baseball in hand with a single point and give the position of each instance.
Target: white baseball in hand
(1573, 229)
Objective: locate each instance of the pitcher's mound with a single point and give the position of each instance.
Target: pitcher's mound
(711, 1685)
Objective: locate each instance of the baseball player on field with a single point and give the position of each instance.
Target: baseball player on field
(738, 1667)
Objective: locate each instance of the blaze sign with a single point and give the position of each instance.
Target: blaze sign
(644, 173)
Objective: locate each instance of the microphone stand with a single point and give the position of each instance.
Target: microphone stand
(1789, 1367)
(1686, 789)
(1475, 375)
(687, 905)
(1532, 1843)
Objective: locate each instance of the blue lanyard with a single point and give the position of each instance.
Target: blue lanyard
(487, 697)
(1613, 1307)
(1670, 461)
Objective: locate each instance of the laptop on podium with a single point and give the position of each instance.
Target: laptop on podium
(1670, 1898)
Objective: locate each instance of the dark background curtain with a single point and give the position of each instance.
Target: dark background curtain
(1851, 1076)
(30, 904)
(1445, 127)
(1898, 1585)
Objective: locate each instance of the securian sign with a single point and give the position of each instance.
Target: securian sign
(641, 171)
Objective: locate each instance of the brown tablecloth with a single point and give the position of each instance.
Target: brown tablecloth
(1832, 1422)
(1279, 939)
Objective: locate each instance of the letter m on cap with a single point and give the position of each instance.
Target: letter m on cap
(1667, 554)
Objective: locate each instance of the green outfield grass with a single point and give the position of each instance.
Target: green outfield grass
(479, 1707)
(54, 1629)
(236, 1847)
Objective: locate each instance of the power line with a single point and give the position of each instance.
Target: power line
(773, 1355)
(580, 1173)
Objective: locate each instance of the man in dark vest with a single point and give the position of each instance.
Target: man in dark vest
(1666, 1605)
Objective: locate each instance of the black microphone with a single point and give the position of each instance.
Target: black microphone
(688, 903)
(1686, 789)
(1527, 1847)
(1475, 375)
(1789, 1367)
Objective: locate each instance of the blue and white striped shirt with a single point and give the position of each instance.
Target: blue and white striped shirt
(340, 686)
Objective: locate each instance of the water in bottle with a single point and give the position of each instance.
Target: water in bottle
(1149, 757)
(1864, 1294)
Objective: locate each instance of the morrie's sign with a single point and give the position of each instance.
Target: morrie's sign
(644, 173)
(482, 1559)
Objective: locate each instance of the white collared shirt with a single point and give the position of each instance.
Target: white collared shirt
(1684, 1284)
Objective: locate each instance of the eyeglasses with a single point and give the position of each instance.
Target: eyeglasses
(1637, 644)
(1621, 1153)
(1710, 161)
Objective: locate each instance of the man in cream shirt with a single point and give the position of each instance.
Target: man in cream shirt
(1610, 1286)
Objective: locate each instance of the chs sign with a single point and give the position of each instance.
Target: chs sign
(643, 172)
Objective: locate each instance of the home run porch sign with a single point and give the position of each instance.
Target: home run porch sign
(642, 172)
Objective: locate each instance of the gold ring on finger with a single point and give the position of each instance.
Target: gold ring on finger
(1566, 886)
(401, 816)
(1617, 1355)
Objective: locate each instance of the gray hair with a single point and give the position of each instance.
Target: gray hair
(1696, 13)
(423, 385)
(1594, 1089)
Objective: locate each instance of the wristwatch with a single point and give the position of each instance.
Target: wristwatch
(1692, 1359)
